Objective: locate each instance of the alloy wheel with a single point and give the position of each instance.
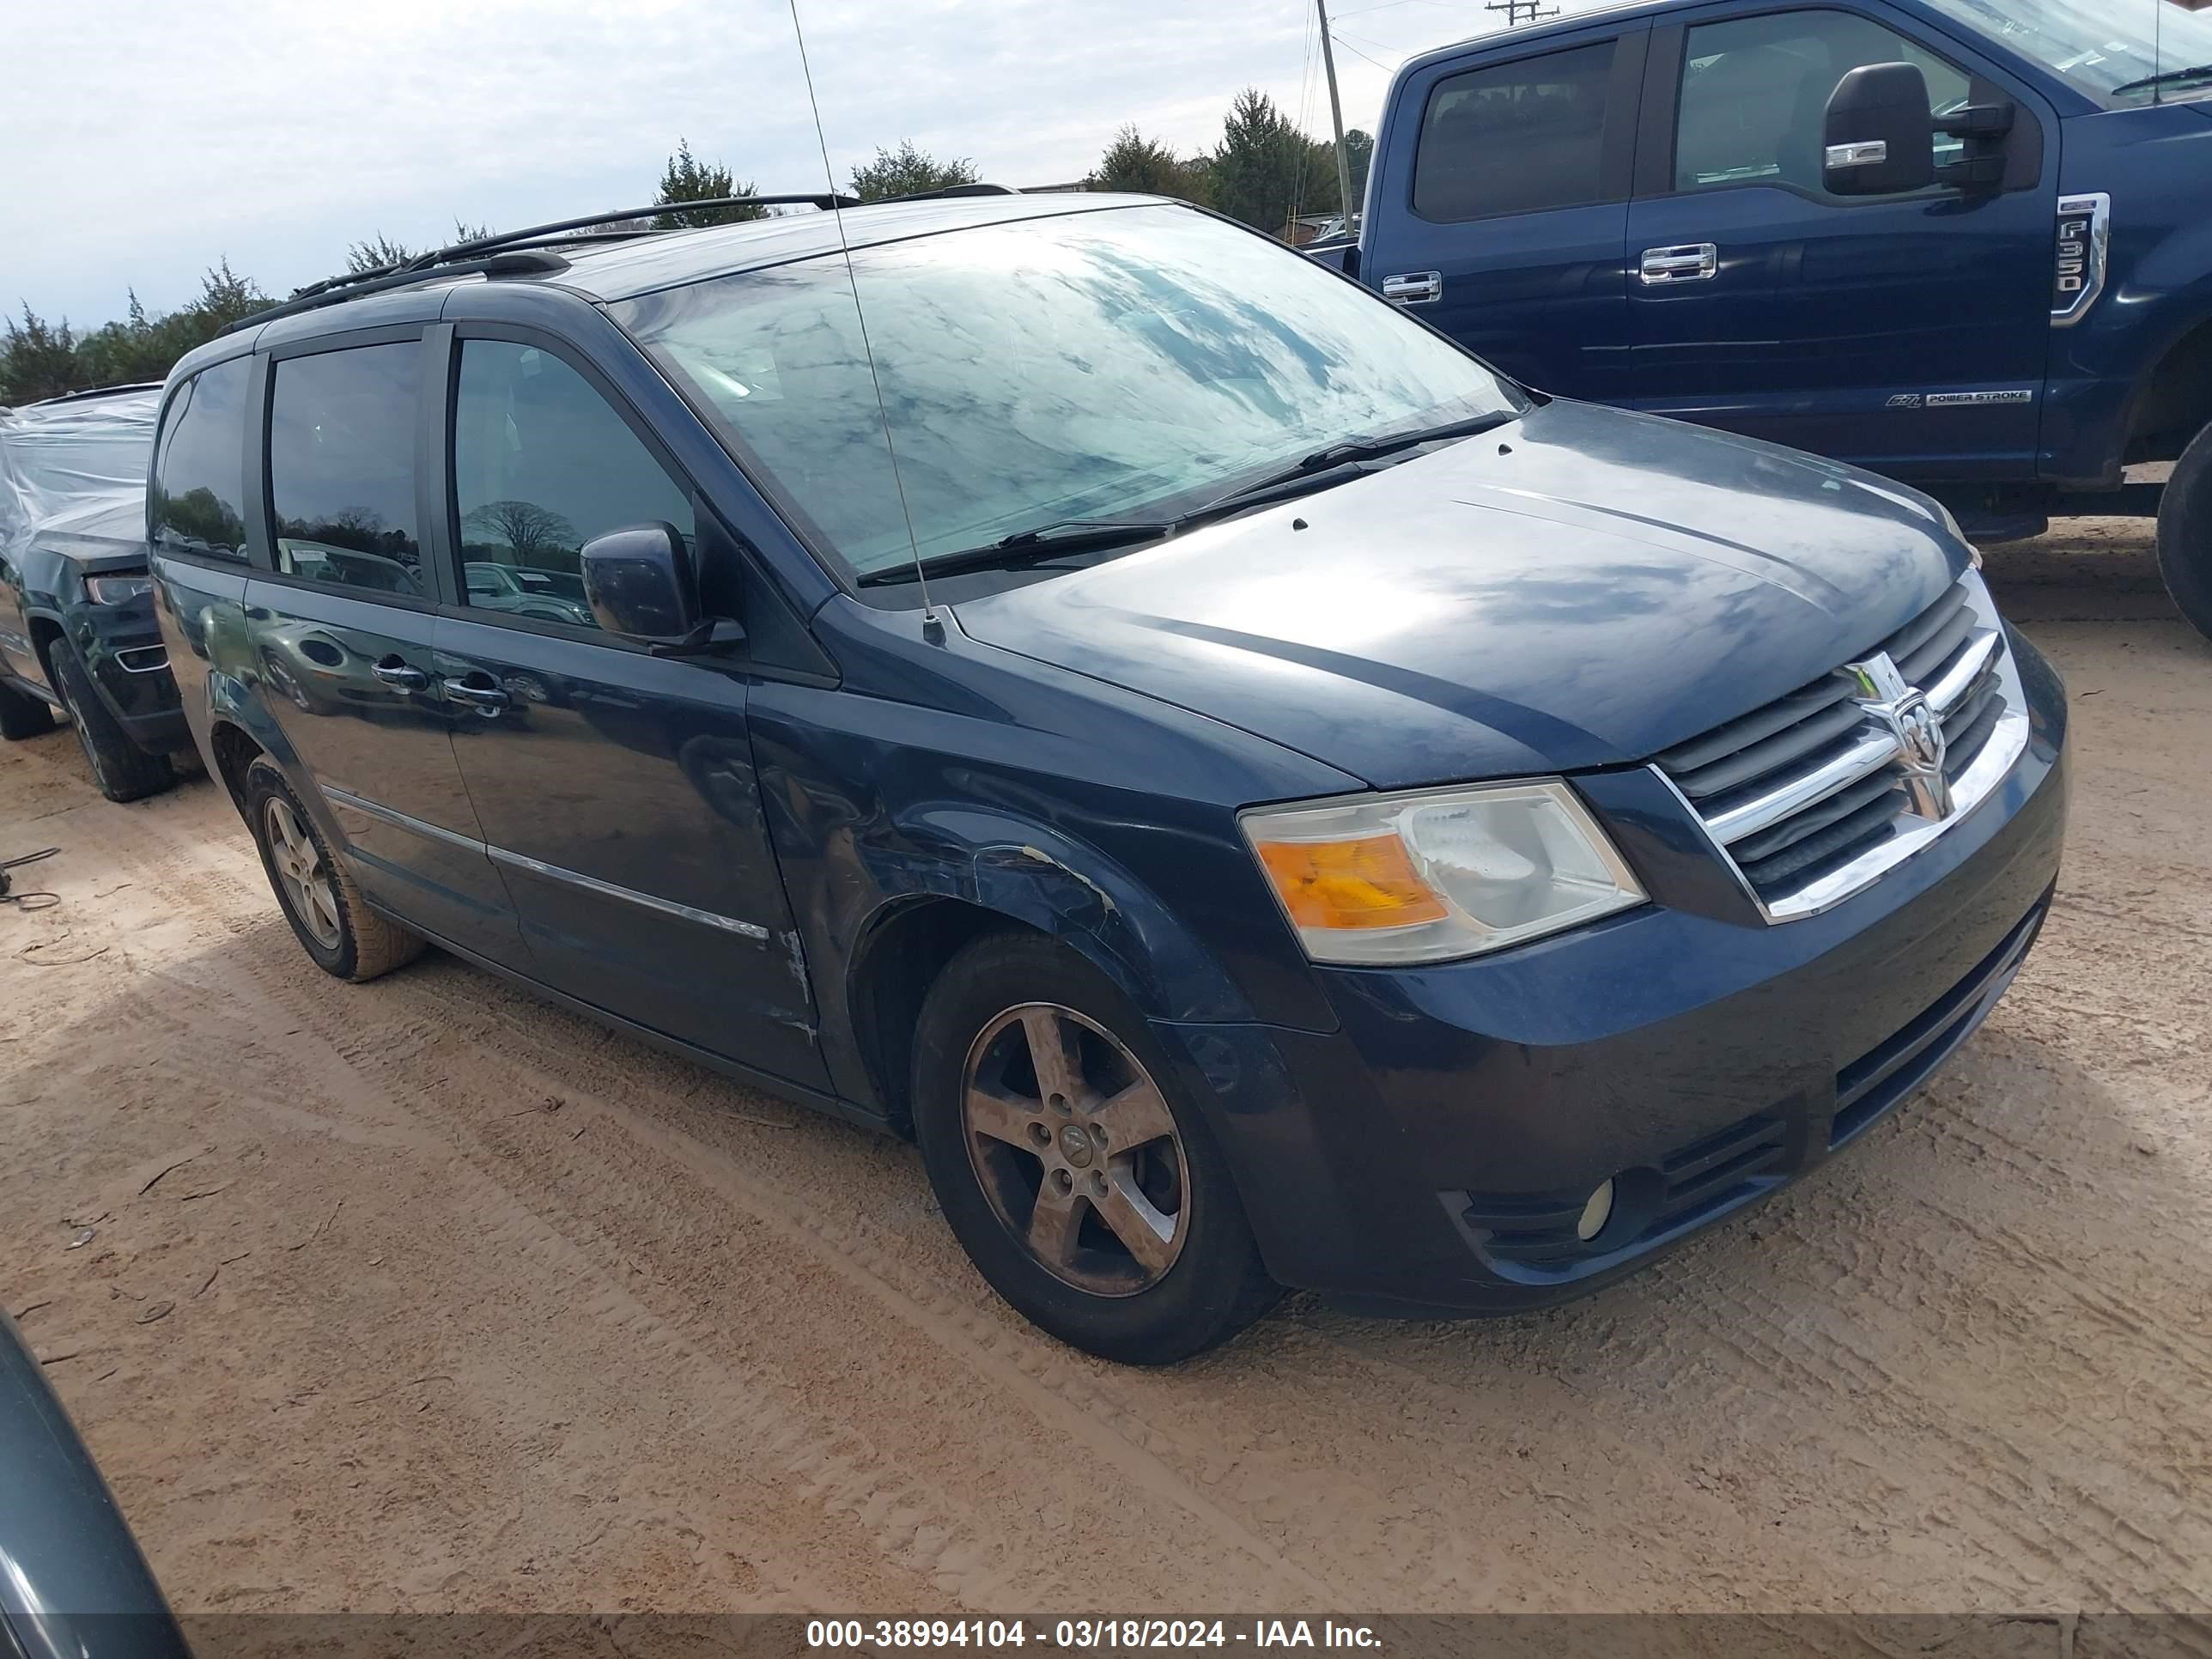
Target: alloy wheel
(307, 884)
(1076, 1149)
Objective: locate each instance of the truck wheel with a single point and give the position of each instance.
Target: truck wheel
(123, 770)
(2184, 533)
(347, 939)
(22, 715)
(1079, 1178)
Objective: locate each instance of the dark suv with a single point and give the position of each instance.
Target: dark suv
(77, 633)
(1261, 798)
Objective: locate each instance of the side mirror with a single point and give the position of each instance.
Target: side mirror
(638, 582)
(1881, 137)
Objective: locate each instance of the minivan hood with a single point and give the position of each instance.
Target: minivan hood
(1581, 588)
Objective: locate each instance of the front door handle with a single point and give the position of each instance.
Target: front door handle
(1418, 288)
(392, 671)
(1693, 262)
(477, 695)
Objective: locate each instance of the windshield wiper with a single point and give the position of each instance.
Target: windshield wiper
(1046, 541)
(1050, 541)
(1316, 471)
(2165, 78)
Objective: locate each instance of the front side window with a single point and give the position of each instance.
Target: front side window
(1755, 93)
(200, 481)
(2124, 53)
(342, 468)
(1128, 364)
(1515, 138)
(541, 465)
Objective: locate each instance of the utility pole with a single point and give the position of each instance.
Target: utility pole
(1522, 11)
(1336, 115)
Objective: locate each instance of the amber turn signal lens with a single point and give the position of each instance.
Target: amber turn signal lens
(1368, 882)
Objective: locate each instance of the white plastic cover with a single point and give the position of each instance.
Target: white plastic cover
(76, 468)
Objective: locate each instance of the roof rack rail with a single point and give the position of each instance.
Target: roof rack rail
(501, 255)
(93, 392)
(948, 191)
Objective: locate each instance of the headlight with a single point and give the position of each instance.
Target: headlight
(117, 590)
(1441, 873)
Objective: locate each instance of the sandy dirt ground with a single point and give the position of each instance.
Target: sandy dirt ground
(423, 1296)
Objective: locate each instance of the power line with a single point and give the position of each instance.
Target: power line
(1356, 52)
(1522, 11)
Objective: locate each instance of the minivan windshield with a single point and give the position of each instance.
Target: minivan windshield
(1124, 363)
(2118, 51)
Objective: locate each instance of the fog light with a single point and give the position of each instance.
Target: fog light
(1595, 1213)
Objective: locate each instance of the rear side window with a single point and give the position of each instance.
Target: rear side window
(541, 465)
(199, 484)
(1755, 95)
(342, 468)
(1516, 137)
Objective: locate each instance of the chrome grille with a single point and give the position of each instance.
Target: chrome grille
(1814, 795)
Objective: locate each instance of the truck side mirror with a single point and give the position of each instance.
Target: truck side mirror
(1881, 137)
(638, 582)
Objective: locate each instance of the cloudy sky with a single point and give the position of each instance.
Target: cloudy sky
(144, 140)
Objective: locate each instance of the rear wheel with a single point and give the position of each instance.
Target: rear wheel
(347, 939)
(1081, 1181)
(120, 768)
(22, 715)
(2184, 533)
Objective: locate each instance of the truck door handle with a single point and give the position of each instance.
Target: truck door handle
(1692, 262)
(477, 695)
(1418, 288)
(392, 671)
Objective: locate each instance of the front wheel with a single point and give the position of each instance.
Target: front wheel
(2184, 533)
(1080, 1180)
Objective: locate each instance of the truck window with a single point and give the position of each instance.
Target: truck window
(342, 468)
(201, 479)
(1755, 95)
(1516, 137)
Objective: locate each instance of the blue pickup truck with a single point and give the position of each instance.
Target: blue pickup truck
(1963, 243)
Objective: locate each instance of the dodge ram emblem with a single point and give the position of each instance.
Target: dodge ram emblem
(1905, 712)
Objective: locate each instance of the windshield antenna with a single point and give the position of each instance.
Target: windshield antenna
(929, 617)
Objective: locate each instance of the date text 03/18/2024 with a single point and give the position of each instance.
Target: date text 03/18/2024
(990, 1634)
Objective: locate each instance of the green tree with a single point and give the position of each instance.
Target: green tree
(39, 360)
(139, 348)
(225, 297)
(907, 170)
(379, 254)
(689, 180)
(1134, 162)
(1321, 192)
(1260, 167)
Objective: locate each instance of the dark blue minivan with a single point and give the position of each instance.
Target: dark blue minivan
(1262, 798)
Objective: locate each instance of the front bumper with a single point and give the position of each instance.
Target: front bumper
(1433, 1154)
(122, 646)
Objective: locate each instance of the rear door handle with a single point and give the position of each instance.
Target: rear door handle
(1692, 262)
(1418, 288)
(392, 671)
(477, 696)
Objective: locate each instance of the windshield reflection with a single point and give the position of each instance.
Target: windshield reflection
(2126, 52)
(1117, 363)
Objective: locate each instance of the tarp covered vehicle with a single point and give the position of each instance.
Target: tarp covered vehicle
(77, 633)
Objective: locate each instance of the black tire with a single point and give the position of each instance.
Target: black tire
(354, 943)
(2184, 533)
(120, 768)
(1214, 1285)
(22, 715)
